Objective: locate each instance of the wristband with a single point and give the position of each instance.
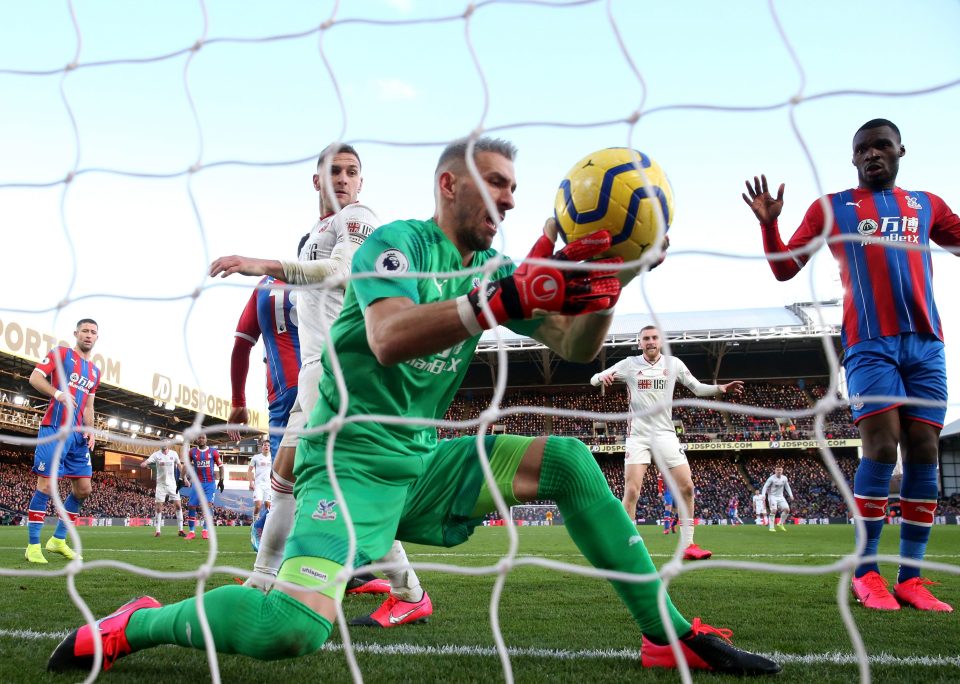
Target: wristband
(467, 317)
(56, 395)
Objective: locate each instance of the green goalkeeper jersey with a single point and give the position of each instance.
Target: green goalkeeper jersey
(418, 388)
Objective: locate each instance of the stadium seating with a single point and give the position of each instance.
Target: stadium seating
(717, 476)
(112, 496)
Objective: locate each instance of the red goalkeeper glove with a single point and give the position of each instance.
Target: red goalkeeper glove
(552, 288)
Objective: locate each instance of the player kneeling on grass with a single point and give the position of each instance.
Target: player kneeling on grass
(398, 479)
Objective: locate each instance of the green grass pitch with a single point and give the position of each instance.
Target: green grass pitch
(563, 627)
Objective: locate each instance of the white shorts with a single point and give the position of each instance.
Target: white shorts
(163, 491)
(261, 491)
(665, 448)
(778, 503)
(308, 392)
(759, 510)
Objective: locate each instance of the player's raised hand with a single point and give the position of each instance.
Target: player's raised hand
(228, 265)
(240, 415)
(765, 207)
(734, 387)
(552, 288)
(607, 379)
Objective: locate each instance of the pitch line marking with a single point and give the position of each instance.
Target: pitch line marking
(834, 658)
(488, 555)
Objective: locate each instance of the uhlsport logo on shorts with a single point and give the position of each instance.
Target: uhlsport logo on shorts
(325, 510)
(312, 572)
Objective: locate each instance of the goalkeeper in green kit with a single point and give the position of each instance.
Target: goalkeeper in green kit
(403, 345)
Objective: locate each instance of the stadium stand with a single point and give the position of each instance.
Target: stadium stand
(112, 496)
(718, 474)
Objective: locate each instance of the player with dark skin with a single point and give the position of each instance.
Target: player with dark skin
(892, 339)
(876, 156)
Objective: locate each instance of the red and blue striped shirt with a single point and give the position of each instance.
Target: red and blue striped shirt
(271, 313)
(203, 461)
(886, 291)
(82, 380)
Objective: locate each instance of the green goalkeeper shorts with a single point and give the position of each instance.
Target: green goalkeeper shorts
(436, 499)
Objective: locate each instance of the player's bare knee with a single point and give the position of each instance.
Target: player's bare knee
(922, 443)
(879, 444)
(81, 490)
(884, 452)
(881, 437)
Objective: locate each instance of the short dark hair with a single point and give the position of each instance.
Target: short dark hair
(86, 320)
(879, 123)
(338, 148)
(648, 327)
(457, 150)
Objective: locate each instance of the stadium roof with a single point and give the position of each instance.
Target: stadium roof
(111, 400)
(772, 342)
(736, 343)
(801, 320)
(951, 429)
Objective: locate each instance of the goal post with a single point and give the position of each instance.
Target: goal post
(536, 515)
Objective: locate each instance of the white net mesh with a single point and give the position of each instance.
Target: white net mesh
(144, 141)
(536, 514)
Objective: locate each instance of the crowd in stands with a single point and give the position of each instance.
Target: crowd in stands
(718, 478)
(531, 514)
(694, 424)
(111, 496)
(815, 492)
(715, 479)
(836, 419)
(950, 504)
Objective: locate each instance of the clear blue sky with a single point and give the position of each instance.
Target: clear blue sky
(274, 102)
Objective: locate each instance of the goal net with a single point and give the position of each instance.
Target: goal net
(142, 141)
(536, 515)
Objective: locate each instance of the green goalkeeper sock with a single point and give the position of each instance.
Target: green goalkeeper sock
(242, 619)
(600, 528)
